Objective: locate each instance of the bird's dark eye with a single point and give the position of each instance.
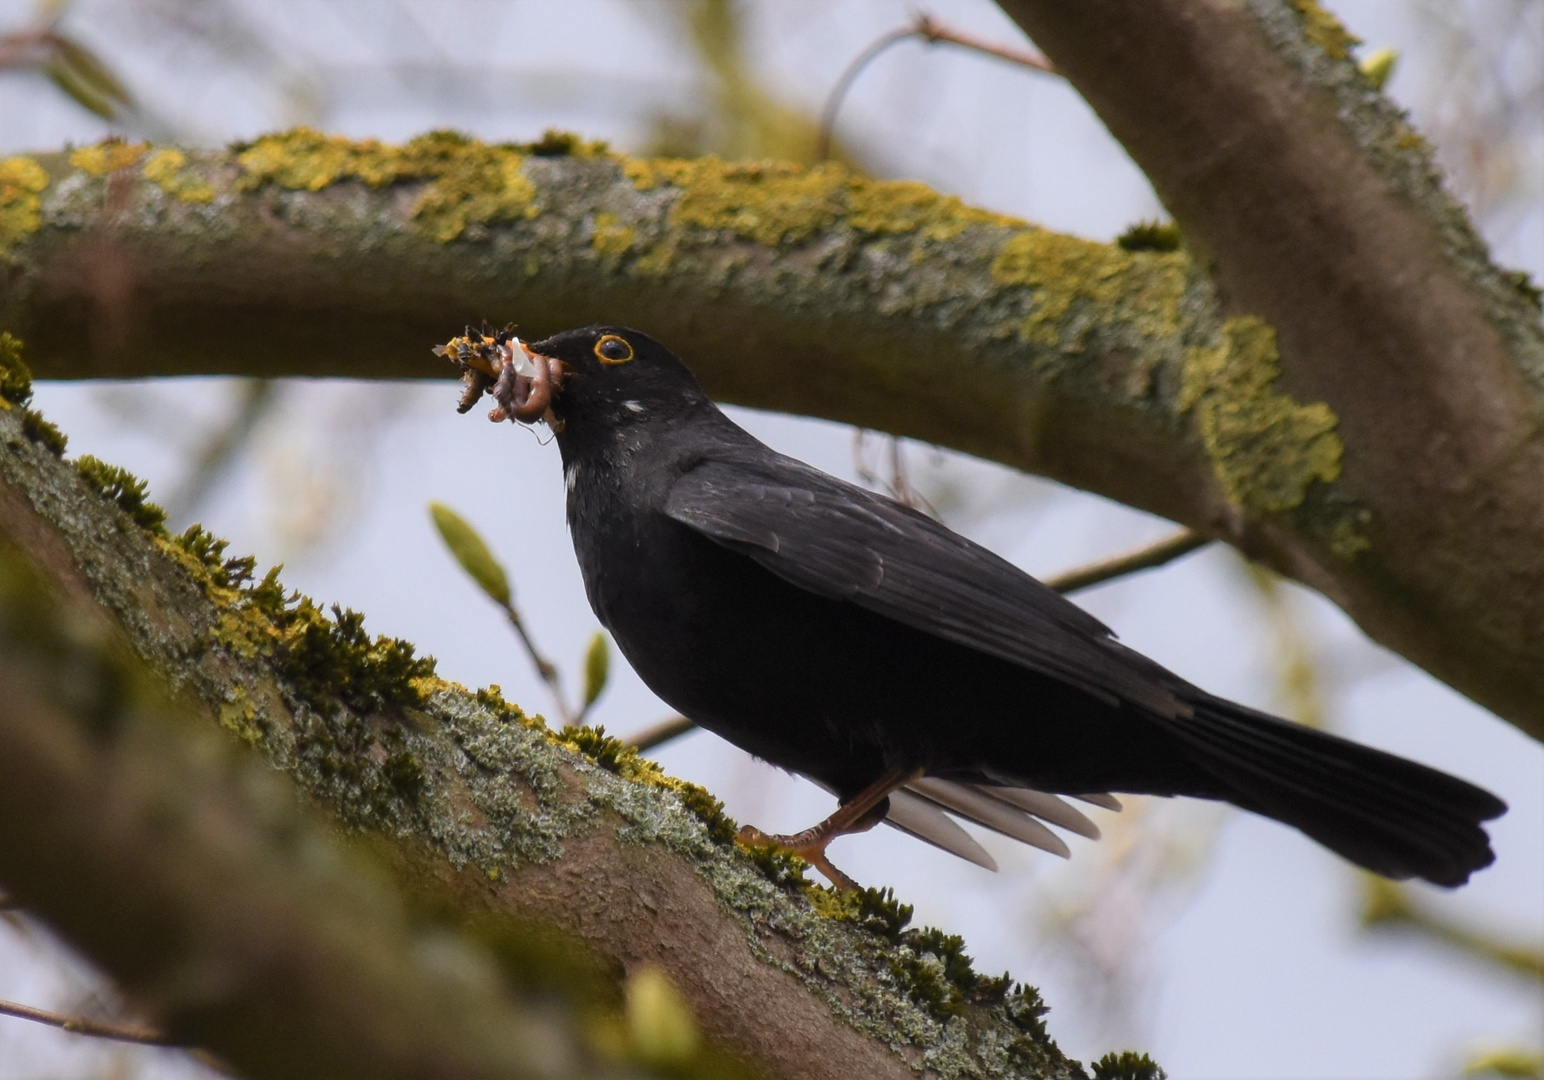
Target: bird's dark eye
(612, 349)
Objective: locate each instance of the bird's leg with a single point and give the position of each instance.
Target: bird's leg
(853, 816)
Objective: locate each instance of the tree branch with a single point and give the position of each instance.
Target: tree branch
(493, 816)
(1325, 216)
(1411, 502)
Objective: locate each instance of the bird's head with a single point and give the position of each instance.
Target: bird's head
(584, 383)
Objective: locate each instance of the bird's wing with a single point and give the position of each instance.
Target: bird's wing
(839, 541)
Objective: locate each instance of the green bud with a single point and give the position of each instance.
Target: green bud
(1378, 65)
(661, 1030)
(597, 668)
(469, 550)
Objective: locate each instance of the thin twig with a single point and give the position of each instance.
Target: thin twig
(81, 1026)
(1165, 551)
(544, 667)
(931, 31)
(662, 732)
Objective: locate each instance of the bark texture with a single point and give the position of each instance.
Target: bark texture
(196, 886)
(1319, 210)
(1355, 407)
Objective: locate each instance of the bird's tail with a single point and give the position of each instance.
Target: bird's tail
(1394, 817)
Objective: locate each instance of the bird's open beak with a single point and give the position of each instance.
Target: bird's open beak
(523, 382)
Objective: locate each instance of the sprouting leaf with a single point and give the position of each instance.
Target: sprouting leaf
(1379, 65)
(468, 549)
(661, 1030)
(77, 71)
(597, 668)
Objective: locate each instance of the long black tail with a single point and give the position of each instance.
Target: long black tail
(1390, 815)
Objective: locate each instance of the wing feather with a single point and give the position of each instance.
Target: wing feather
(839, 541)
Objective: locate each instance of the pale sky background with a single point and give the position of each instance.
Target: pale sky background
(1223, 944)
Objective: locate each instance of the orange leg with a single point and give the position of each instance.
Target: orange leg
(851, 817)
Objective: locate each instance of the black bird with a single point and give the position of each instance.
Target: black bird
(846, 637)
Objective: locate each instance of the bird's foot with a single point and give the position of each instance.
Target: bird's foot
(809, 847)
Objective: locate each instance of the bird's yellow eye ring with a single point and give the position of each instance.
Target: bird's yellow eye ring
(613, 349)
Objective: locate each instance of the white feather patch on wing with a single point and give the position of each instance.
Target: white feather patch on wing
(981, 808)
(1109, 802)
(918, 817)
(1046, 807)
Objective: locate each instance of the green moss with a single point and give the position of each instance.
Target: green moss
(38, 428)
(1266, 449)
(1127, 1065)
(617, 756)
(1068, 274)
(124, 488)
(168, 170)
(1524, 287)
(875, 910)
(107, 156)
(466, 182)
(778, 865)
(15, 375)
(330, 660)
(22, 182)
(555, 143)
(611, 236)
(1150, 236)
(1324, 30)
(941, 977)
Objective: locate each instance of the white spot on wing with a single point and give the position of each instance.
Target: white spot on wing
(632, 406)
(571, 476)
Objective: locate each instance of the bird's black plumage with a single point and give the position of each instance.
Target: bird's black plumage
(841, 635)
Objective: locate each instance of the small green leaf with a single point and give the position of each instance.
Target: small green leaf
(661, 1030)
(597, 668)
(1379, 65)
(469, 550)
(77, 71)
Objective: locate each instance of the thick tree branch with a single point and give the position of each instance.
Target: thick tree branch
(1323, 214)
(192, 876)
(494, 815)
(888, 306)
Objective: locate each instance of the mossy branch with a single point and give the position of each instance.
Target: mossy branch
(487, 813)
(1110, 367)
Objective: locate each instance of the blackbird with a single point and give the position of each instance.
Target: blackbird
(850, 639)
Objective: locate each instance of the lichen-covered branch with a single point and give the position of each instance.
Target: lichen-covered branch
(1386, 456)
(487, 812)
(1323, 214)
(193, 877)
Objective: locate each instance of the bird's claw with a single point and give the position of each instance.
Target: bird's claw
(800, 844)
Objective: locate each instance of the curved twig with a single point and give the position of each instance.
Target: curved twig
(931, 31)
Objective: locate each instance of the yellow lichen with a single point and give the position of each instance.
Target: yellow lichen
(1266, 449)
(466, 182)
(771, 203)
(107, 156)
(611, 236)
(1325, 31)
(906, 206)
(22, 181)
(1066, 272)
(776, 203)
(168, 170)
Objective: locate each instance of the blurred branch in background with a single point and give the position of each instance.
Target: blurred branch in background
(926, 28)
(210, 463)
(1388, 907)
(72, 67)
